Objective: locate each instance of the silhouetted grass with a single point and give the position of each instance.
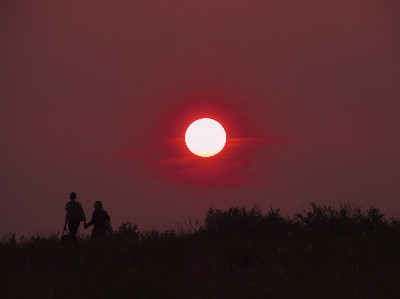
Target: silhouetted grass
(320, 253)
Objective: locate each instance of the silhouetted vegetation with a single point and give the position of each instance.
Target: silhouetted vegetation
(323, 252)
(347, 219)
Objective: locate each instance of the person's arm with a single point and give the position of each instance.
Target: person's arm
(84, 217)
(91, 221)
(66, 220)
(107, 216)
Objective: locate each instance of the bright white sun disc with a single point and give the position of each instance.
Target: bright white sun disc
(205, 137)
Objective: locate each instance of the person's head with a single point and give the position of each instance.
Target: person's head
(72, 196)
(98, 205)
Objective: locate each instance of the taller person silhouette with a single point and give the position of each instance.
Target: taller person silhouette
(74, 216)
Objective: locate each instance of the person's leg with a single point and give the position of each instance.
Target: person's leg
(95, 233)
(73, 229)
(102, 232)
(98, 233)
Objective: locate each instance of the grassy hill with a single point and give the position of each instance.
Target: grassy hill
(320, 253)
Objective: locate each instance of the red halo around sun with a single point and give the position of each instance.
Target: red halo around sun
(179, 165)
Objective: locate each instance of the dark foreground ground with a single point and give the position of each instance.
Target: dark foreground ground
(322, 253)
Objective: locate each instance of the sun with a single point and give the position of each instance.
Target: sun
(205, 137)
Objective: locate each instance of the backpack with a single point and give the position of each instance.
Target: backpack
(75, 212)
(108, 225)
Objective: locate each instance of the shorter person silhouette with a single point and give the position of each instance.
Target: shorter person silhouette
(99, 217)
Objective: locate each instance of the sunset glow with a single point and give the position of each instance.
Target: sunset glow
(205, 137)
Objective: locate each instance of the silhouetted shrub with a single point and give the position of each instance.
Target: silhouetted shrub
(235, 219)
(128, 231)
(240, 220)
(347, 218)
(394, 223)
(274, 221)
(187, 226)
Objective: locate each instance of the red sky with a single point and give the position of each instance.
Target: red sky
(96, 97)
